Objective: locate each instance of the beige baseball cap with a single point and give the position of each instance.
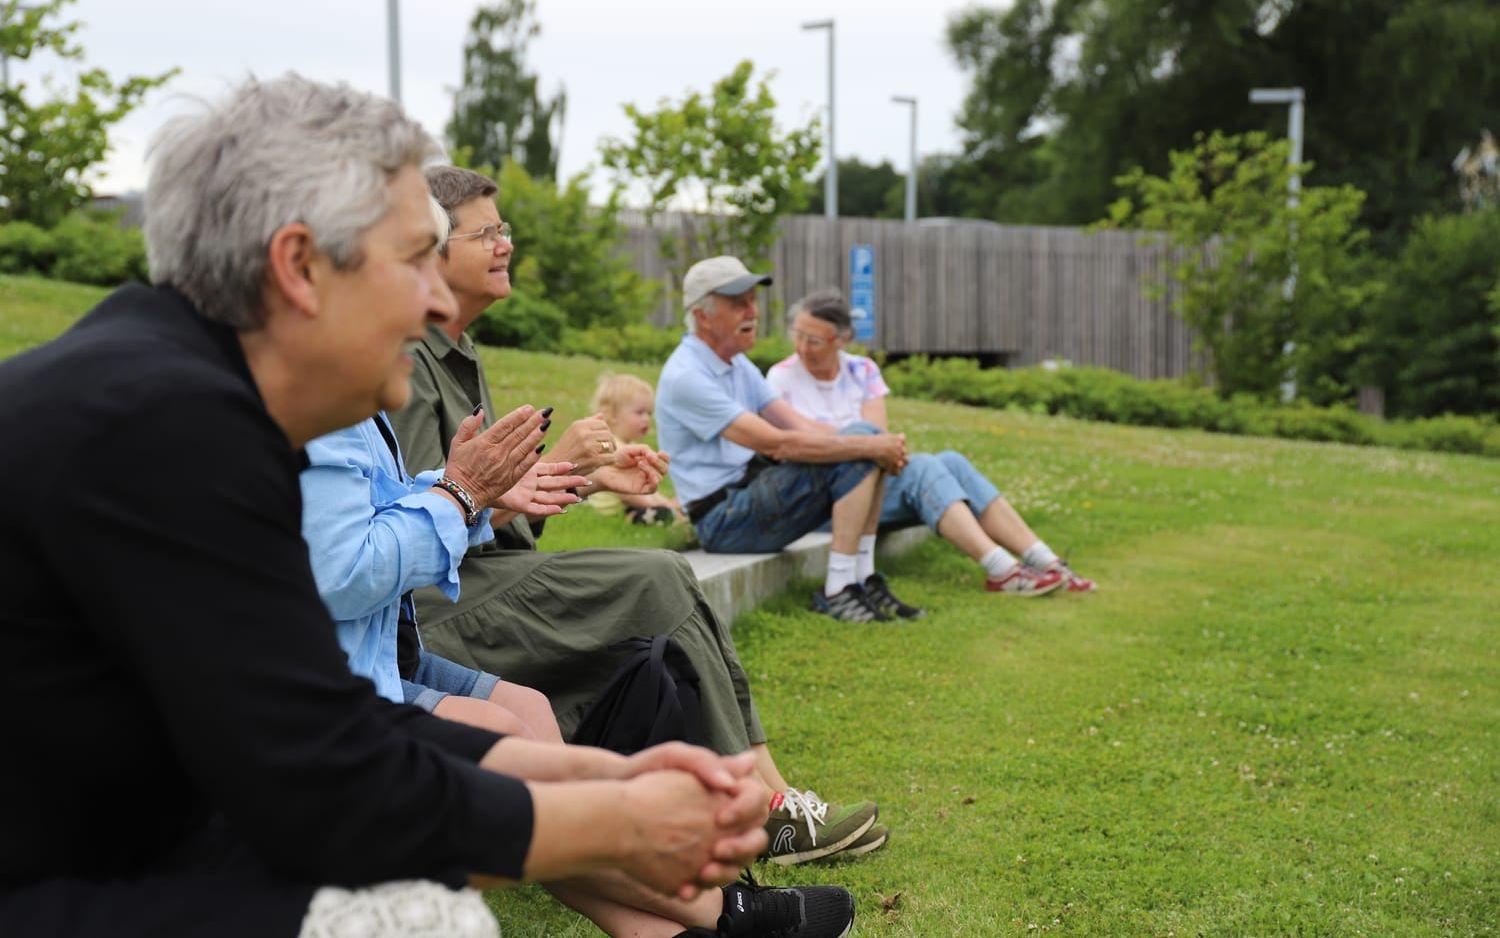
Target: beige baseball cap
(724, 275)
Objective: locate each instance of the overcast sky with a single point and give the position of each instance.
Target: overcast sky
(604, 53)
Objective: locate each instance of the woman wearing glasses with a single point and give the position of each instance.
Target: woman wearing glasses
(547, 620)
(943, 490)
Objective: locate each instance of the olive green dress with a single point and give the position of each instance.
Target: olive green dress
(546, 620)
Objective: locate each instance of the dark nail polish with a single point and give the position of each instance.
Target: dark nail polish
(545, 425)
(477, 409)
(540, 448)
(546, 411)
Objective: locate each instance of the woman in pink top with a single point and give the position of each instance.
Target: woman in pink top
(943, 490)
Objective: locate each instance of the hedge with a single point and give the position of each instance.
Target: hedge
(1101, 394)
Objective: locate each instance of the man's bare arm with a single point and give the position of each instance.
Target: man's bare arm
(780, 413)
(814, 446)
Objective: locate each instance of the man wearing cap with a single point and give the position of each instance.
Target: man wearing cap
(753, 473)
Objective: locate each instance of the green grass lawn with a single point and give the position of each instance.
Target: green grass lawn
(1279, 716)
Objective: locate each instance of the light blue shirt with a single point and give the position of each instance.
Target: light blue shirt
(373, 533)
(697, 396)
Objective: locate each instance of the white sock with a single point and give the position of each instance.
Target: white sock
(840, 572)
(997, 563)
(1039, 554)
(864, 562)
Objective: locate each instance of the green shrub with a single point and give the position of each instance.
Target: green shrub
(1446, 434)
(523, 321)
(94, 248)
(1100, 394)
(1328, 425)
(769, 350)
(26, 249)
(646, 344)
(638, 342)
(85, 247)
(1222, 207)
(1433, 334)
(573, 247)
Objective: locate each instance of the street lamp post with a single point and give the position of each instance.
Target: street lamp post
(831, 175)
(1294, 98)
(911, 174)
(393, 46)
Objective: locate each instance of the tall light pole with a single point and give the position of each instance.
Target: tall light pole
(911, 174)
(831, 175)
(1295, 98)
(393, 46)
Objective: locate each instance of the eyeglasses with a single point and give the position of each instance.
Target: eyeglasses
(489, 235)
(813, 342)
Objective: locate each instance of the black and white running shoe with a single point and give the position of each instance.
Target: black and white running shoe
(878, 594)
(751, 909)
(849, 604)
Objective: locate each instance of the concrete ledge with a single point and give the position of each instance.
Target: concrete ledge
(736, 583)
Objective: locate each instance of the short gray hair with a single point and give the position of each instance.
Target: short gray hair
(223, 181)
(829, 306)
(441, 220)
(453, 186)
(705, 303)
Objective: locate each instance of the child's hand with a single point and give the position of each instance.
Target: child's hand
(633, 455)
(636, 480)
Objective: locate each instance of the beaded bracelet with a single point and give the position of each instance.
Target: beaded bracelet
(471, 511)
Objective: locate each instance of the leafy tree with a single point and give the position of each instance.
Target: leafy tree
(720, 155)
(866, 190)
(498, 113)
(1223, 205)
(48, 147)
(567, 250)
(878, 190)
(941, 187)
(1435, 335)
(1068, 94)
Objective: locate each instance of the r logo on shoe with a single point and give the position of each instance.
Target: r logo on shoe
(784, 840)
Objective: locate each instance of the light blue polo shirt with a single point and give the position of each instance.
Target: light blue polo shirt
(697, 396)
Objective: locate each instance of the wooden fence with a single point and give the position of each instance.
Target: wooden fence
(1018, 294)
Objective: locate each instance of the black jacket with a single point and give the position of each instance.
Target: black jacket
(167, 658)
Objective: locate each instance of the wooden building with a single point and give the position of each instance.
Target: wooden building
(1016, 295)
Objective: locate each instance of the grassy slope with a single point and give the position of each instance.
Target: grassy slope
(1278, 716)
(33, 310)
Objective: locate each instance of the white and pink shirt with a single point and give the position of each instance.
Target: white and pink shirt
(836, 401)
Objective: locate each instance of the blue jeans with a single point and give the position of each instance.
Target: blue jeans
(437, 677)
(929, 484)
(783, 503)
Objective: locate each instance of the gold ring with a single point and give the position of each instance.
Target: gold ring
(606, 446)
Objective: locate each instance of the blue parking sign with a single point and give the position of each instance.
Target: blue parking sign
(862, 292)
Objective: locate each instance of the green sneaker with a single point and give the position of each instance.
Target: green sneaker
(804, 827)
(868, 842)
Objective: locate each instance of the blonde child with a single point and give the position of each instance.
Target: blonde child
(627, 403)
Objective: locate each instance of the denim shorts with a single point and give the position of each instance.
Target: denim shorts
(783, 503)
(437, 677)
(929, 484)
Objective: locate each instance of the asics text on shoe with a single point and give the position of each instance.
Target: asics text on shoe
(751, 909)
